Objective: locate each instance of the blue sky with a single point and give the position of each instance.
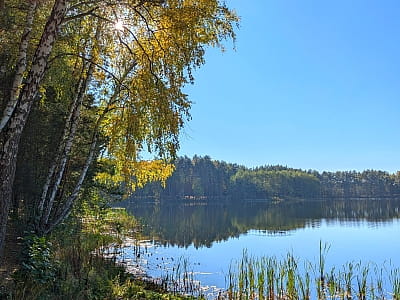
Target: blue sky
(312, 85)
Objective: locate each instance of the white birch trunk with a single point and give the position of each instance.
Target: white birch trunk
(20, 67)
(61, 148)
(67, 141)
(11, 137)
(56, 216)
(66, 209)
(57, 170)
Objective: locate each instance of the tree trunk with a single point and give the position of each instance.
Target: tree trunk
(65, 209)
(20, 67)
(57, 169)
(55, 214)
(12, 133)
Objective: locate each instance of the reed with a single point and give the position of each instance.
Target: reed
(291, 272)
(395, 282)
(379, 291)
(270, 278)
(271, 267)
(362, 282)
(347, 275)
(261, 278)
(304, 284)
(180, 279)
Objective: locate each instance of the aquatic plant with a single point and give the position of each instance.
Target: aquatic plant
(395, 282)
(179, 279)
(270, 278)
(362, 282)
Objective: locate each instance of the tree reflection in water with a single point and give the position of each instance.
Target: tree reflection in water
(190, 223)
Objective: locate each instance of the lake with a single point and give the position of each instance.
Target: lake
(210, 237)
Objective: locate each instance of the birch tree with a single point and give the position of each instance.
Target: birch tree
(10, 135)
(134, 60)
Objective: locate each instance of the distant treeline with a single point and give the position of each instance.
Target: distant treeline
(207, 179)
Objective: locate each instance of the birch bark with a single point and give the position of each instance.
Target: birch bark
(55, 214)
(20, 67)
(11, 136)
(65, 209)
(58, 168)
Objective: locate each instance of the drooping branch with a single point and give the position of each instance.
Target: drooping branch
(81, 15)
(144, 19)
(88, 13)
(89, 60)
(150, 61)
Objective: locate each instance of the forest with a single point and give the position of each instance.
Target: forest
(87, 87)
(205, 179)
(92, 106)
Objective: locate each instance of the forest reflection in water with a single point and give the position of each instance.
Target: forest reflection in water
(199, 225)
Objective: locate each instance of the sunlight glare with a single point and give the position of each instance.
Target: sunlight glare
(119, 25)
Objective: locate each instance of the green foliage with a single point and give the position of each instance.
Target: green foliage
(38, 264)
(133, 289)
(114, 92)
(70, 263)
(266, 183)
(204, 179)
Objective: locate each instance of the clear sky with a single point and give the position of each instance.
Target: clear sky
(312, 84)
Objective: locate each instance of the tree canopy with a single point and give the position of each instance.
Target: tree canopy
(206, 180)
(114, 72)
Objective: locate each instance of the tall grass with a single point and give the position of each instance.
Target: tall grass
(269, 278)
(74, 263)
(395, 282)
(179, 279)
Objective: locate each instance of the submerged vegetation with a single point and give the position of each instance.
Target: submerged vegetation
(291, 278)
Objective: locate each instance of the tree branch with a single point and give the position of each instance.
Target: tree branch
(87, 60)
(81, 15)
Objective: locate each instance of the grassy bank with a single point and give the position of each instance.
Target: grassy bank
(70, 264)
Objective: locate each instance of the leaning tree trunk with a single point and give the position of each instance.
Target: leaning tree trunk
(53, 211)
(12, 133)
(20, 66)
(58, 213)
(56, 172)
(65, 209)
(57, 169)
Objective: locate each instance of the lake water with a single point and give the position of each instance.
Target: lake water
(210, 237)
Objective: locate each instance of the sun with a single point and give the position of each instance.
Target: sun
(119, 25)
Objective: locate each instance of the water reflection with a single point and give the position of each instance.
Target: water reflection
(201, 225)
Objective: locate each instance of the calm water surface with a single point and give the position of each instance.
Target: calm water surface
(212, 236)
